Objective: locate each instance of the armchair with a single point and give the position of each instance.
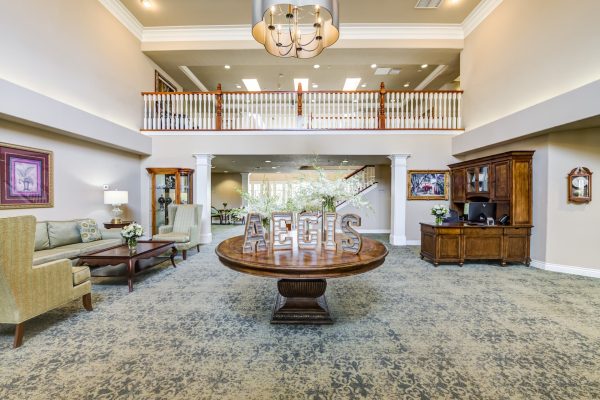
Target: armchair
(27, 291)
(185, 230)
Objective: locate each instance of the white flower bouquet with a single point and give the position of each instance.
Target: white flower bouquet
(131, 233)
(439, 212)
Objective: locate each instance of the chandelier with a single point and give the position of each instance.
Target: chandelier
(298, 28)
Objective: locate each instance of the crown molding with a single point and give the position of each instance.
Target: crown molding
(478, 14)
(242, 33)
(200, 33)
(124, 16)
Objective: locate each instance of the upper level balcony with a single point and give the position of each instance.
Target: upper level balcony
(299, 110)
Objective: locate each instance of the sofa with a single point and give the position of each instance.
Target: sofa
(55, 240)
(28, 290)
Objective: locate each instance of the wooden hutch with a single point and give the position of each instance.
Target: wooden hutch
(168, 186)
(504, 179)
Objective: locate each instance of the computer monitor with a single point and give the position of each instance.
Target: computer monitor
(480, 211)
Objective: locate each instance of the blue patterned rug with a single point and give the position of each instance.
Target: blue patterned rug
(403, 331)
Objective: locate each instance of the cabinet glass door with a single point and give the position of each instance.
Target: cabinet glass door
(165, 195)
(184, 189)
(483, 179)
(471, 181)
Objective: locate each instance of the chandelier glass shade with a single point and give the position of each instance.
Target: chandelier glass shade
(298, 28)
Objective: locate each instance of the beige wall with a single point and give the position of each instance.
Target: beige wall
(563, 233)
(225, 190)
(526, 52)
(428, 151)
(80, 171)
(76, 52)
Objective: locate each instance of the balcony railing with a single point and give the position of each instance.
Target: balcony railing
(366, 110)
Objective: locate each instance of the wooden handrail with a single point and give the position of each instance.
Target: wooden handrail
(357, 171)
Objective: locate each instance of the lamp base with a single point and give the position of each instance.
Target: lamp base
(116, 221)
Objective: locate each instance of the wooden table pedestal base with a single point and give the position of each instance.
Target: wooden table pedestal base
(301, 301)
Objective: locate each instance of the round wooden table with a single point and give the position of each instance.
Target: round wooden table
(302, 275)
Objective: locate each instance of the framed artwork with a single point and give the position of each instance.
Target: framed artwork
(26, 177)
(428, 185)
(162, 84)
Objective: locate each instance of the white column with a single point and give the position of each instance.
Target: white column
(398, 201)
(245, 185)
(202, 193)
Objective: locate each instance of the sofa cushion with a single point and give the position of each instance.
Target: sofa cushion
(88, 230)
(44, 256)
(41, 236)
(80, 275)
(184, 218)
(61, 233)
(172, 237)
(91, 247)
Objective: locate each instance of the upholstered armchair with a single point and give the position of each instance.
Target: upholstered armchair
(185, 229)
(27, 291)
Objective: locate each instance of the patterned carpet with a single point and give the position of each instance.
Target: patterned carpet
(403, 331)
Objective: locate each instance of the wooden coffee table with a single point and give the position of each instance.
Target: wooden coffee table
(302, 273)
(122, 255)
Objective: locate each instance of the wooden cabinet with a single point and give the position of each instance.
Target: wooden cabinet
(459, 185)
(503, 178)
(459, 242)
(168, 186)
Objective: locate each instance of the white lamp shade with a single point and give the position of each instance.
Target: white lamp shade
(116, 197)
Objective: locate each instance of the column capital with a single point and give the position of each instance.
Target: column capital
(398, 159)
(203, 159)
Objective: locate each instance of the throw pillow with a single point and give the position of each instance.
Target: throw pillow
(88, 229)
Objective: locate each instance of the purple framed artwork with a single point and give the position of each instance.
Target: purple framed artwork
(26, 179)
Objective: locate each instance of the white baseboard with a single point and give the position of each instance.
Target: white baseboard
(413, 242)
(566, 269)
(359, 230)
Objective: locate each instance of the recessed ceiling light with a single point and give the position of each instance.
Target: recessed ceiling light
(345, 161)
(394, 72)
(316, 66)
(238, 86)
(274, 167)
(278, 172)
(226, 172)
(424, 66)
(227, 67)
(267, 161)
(251, 85)
(407, 84)
(382, 71)
(373, 66)
(363, 85)
(314, 86)
(303, 81)
(351, 84)
(146, 3)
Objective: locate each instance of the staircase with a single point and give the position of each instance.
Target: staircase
(366, 177)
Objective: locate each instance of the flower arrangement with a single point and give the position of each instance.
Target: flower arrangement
(263, 203)
(131, 233)
(439, 211)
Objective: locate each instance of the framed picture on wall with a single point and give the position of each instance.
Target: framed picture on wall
(428, 185)
(26, 177)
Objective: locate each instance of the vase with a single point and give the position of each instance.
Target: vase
(132, 244)
(439, 220)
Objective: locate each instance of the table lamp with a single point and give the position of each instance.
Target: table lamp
(116, 198)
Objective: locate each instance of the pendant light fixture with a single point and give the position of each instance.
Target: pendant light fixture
(298, 28)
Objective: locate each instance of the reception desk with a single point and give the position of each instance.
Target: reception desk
(460, 241)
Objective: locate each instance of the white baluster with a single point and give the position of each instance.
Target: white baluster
(459, 111)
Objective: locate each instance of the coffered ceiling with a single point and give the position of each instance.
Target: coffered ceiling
(231, 12)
